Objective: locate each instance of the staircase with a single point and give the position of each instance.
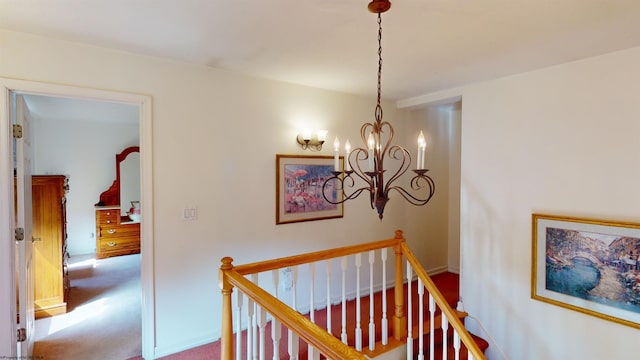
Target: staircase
(447, 283)
(382, 325)
(449, 286)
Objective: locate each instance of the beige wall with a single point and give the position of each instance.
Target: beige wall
(562, 140)
(441, 126)
(215, 137)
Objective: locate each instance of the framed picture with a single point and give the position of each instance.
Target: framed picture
(299, 181)
(587, 265)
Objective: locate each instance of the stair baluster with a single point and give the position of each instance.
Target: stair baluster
(329, 296)
(343, 334)
(358, 331)
(312, 354)
(421, 321)
(239, 301)
(292, 337)
(262, 324)
(432, 321)
(254, 324)
(445, 338)
(276, 329)
(385, 321)
(456, 344)
(409, 315)
(372, 324)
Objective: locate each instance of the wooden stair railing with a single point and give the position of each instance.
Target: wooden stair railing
(451, 315)
(317, 338)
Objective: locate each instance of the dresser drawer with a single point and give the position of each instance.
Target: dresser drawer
(119, 244)
(107, 216)
(108, 231)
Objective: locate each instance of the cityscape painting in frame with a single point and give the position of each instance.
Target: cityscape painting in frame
(299, 181)
(587, 265)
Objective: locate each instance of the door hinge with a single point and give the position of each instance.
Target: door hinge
(17, 131)
(22, 335)
(19, 235)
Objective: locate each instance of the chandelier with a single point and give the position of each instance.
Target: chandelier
(367, 163)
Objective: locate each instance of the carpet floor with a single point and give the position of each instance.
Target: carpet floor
(103, 319)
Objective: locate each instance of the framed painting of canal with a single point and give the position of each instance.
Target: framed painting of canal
(300, 191)
(587, 265)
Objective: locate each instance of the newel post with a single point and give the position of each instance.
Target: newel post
(226, 340)
(399, 318)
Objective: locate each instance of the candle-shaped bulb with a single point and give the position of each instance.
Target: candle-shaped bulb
(370, 141)
(422, 145)
(371, 144)
(336, 154)
(347, 149)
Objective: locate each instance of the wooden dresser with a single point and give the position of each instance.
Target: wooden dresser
(115, 235)
(50, 245)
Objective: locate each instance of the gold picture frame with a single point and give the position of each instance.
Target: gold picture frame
(587, 265)
(299, 181)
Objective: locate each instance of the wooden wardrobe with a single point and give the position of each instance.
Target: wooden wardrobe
(50, 246)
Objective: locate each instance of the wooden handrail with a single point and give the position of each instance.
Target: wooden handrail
(311, 333)
(452, 317)
(284, 262)
(325, 343)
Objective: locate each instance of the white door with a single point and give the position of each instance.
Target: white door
(24, 269)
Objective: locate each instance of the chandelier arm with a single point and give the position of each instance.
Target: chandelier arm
(343, 180)
(415, 185)
(341, 189)
(387, 125)
(363, 131)
(404, 164)
(410, 198)
(360, 155)
(420, 176)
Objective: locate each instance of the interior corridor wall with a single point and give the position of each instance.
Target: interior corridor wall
(562, 140)
(439, 235)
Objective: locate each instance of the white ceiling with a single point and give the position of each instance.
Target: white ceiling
(52, 108)
(428, 45)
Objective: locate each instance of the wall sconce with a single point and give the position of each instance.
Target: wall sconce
(308, 141)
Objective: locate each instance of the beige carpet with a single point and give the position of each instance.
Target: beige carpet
(103, 319)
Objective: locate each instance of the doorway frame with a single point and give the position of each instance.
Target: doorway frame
(7, 260)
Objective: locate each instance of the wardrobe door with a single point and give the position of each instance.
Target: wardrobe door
(49, 226)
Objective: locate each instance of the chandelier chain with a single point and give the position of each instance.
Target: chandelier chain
(378, 116)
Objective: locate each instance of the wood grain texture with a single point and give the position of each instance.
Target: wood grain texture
(49, 230)
(114, 235)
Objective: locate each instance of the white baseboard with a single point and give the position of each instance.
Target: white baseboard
(188, 344)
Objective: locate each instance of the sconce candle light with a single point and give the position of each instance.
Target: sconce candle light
(308, 141)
